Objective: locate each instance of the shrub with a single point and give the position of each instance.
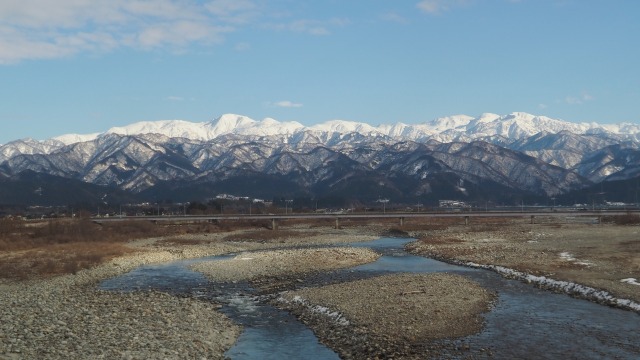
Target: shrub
(627, 219)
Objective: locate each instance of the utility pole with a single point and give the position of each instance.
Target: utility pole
(384, 205)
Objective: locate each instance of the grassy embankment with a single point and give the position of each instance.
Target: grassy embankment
(33, 249)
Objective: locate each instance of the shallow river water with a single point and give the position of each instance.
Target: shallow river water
(525, 322)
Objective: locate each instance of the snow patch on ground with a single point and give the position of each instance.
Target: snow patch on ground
(569, 257)
(631, 281)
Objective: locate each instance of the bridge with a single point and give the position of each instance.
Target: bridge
(400, 216)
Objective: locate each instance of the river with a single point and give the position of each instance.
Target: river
(525, 322)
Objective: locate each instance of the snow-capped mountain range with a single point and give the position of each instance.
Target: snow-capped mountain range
(514, 126)
(515, 152)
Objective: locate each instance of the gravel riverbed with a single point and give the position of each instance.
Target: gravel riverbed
(280, 263)
(391, 316)
(66, 317)
(50, 322)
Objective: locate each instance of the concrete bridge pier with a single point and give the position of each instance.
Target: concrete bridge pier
(466, 220)
(274, 224)
(337, 223)
(401, 222)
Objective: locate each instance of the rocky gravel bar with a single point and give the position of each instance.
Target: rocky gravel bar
(392, 316)
(388, 316)
(286, 262)
(68, 318)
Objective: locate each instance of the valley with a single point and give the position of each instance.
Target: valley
(294, 262)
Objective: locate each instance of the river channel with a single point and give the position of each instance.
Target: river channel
(525, 322)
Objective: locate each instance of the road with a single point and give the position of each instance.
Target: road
(345, 216)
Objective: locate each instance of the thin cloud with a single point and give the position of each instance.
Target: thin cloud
(286, 104)
(435, 7)
(431, 6)
(175, 98)
(44, 29)
(233, 11)
(394, 17)
(579, 100)
(242, 46)
(311, 27)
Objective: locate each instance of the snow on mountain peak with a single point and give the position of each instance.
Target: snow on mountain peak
(169, 128)
(488, 117)
(511, 127)
(229, 123)
(69, 139)
(269, 126)
(520, 115)
(242, 125)
(343, 126)
(450, 122)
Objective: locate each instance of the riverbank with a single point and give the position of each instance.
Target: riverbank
(64, 316)
(604, 257)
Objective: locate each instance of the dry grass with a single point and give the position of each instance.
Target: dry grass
(312, 223)
(476, 224)
(63, 246)
(602, 254)
(57, 259)
(628, 219)
(27, 236)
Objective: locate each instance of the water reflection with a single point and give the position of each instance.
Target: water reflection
(269, 333)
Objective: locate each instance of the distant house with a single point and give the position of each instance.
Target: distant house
(453, 204)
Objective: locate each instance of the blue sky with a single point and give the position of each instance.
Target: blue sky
(82, 66)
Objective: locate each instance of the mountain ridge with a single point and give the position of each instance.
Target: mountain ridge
(516, 155)
(513, 126)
